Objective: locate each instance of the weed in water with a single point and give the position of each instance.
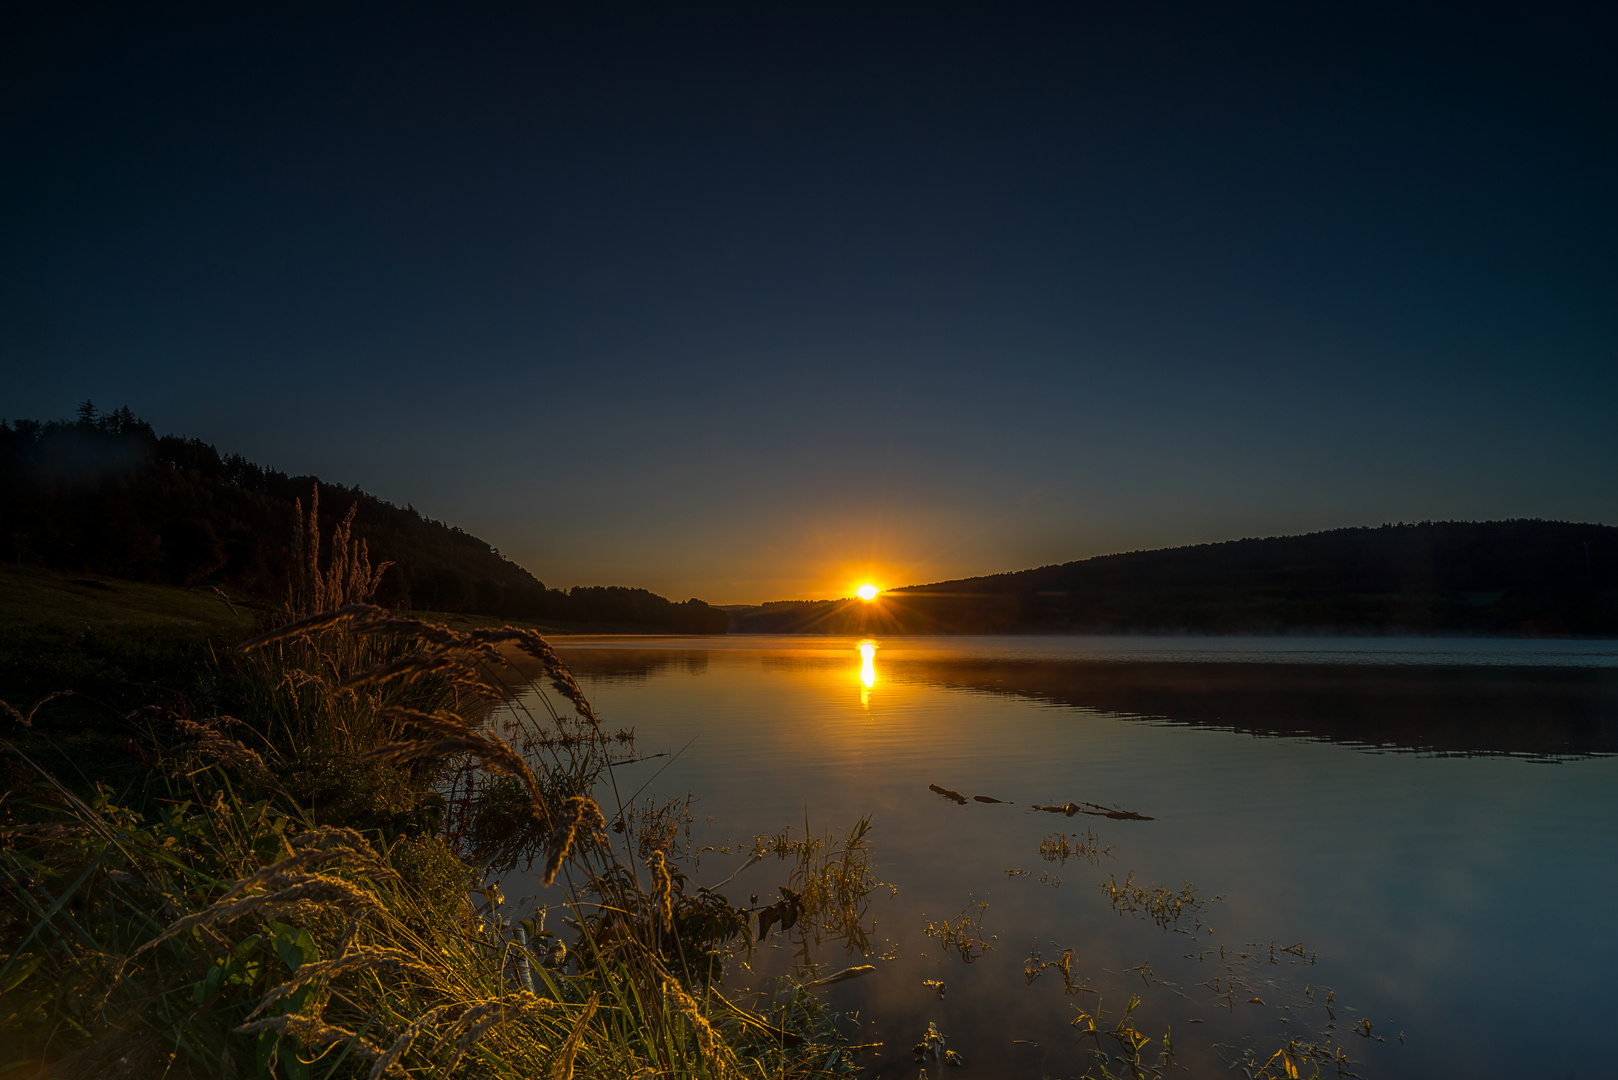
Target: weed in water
(964, 933)
(1059, 847)
(1164, 906)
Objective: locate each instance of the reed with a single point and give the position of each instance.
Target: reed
(662, 889)
(349, 577)
(579, 815)
(562, 1067)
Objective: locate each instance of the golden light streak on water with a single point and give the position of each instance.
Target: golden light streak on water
(867, 671)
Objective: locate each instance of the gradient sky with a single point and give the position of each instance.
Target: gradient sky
(752, 302)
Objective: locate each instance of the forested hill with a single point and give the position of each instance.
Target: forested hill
(104, 495)
(1497, 577)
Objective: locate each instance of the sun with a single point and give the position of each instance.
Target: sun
(867, 591)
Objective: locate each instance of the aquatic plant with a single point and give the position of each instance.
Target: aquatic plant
(1060, 847)
(1036, 965)
(964, 933)
(1159, 903)
(829, 886)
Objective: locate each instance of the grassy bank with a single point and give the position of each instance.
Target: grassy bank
(119, 645)
(58, 630)
(281, 865)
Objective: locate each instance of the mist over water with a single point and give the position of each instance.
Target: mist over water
(1432, 821)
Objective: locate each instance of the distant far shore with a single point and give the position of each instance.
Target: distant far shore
(1515, 579)
(1290, 633)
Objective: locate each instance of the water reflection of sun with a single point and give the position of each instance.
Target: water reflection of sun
(867, 671)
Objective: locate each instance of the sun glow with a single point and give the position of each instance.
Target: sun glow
(867, 592)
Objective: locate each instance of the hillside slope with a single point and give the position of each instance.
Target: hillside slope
(105, 495)
(1499, 577)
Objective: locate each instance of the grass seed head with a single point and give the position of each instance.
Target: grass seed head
(562, 1065)
(395, 960)
(579, 814)
(401, 1045)
(313, 1032)
(712, 1047)
(662, 889)
(309, 625)
(305, 891)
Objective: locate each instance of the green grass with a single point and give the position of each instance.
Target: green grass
(116, 644)
(119, 645)
(46, 601)
(99, 635)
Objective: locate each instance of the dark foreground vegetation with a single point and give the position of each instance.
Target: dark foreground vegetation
(284, 870)
(1531, 578)
(104, 495)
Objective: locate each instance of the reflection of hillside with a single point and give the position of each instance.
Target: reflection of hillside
(1538, 712)
(634, 665)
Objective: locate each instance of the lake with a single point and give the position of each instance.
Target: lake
(1431, 826)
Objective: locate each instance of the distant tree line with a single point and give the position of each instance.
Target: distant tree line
(103, 494)
(1522, 577)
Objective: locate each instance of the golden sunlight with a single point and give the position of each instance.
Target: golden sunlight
(867, 592)
(867, 671)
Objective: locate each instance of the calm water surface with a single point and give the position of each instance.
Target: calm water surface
(1436, 822)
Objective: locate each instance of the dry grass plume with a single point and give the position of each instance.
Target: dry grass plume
(579, 814)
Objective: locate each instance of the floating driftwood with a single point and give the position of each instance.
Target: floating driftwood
(844, 975)
(1095, 810)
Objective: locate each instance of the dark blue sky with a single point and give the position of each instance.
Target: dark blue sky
(749, 303)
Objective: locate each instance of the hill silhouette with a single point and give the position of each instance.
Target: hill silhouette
(105, 495)
(1520, 577)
